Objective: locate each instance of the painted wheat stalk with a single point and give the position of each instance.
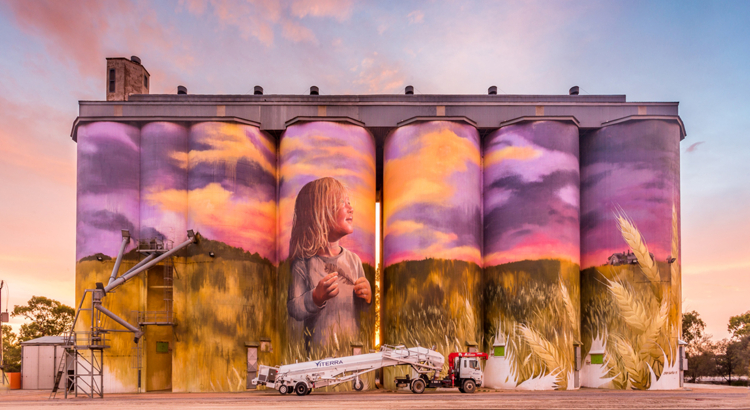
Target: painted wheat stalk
(631, 309)
(649, 340)
(635, 241)
(638, 374)
(548, 353)
(569, 309)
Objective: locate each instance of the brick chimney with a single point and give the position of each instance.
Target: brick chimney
(126, 77)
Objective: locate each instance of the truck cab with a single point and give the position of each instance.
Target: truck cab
(469, 368)
(465, 370)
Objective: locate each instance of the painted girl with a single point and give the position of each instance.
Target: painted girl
(328, 288)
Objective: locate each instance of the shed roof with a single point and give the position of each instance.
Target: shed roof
(45, 340)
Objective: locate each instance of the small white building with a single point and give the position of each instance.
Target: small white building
(40, 358)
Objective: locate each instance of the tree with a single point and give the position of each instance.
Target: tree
(48, 318)
(11, 350)
(692, 327)
(739, 325)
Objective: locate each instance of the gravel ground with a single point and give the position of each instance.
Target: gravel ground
(694, 397)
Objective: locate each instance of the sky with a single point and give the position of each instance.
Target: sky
(695, 53)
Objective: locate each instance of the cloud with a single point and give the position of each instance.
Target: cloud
(25, 144)
(377, 75)
(341, 10)
(84, 46)
(261, 18)
(694, 146)
(415, 17)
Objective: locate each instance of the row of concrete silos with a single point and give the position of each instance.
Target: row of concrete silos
(481, 244)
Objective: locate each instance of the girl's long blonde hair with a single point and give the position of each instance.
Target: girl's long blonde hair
(314, 214)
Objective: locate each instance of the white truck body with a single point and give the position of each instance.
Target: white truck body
(303, 377)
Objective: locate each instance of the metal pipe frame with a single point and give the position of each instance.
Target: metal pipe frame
(118, 261)
(146, 260)
(137, 332)
(124, 278)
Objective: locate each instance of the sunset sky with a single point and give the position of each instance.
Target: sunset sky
(696, 53)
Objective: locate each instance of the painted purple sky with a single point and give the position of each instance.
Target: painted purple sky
(314, 150)
(163, 152)
(694, 52)
(109, 187)
(630, 167)
(531, 193)
(432, 193)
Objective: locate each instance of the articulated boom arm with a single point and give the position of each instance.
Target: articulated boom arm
(329, 372)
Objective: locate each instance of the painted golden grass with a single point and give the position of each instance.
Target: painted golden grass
(220, 305)
(341, 343)
(534, 307)
(431, 303)
(635, 309)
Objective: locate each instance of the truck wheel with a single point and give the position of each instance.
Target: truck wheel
(301, 389)
(359, 385)
(469, 386)
(418, 386)
(283, 389)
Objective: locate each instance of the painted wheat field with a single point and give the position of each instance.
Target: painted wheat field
(434, 303)
(221, 304)
(532, 307)
(633, 311)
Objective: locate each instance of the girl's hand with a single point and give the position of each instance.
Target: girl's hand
(327, 288)
(362, 289)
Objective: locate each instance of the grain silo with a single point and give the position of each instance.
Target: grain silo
(432, 236)
(108, 201)
(630, 246)
(163, 217)
(326, 167)
(531, 254)
(225, 298)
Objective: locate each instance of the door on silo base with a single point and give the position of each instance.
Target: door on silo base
(159, 335)
(252, 366)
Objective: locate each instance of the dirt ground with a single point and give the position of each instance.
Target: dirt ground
(693, 397)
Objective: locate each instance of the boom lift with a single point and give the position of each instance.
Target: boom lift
(302, 378)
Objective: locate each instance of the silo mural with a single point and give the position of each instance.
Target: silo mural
(630, 239)
(531, 255)
(108, 201)
(432, 237)
(163, 215)
(326, 241)
(225, 296)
